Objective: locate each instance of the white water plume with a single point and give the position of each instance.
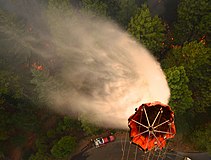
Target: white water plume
(106, 73)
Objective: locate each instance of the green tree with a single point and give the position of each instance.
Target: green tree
(44, 84)
(68, 125)
(89, 128)
(64, 147)
(201, 138)
(39, 155)
(127, 9)
(195, 58)
(15, 103)
(181, 99)
(97, 7)
(10, 85)
(193, 21)
(112, 8)
(17, 113)
(149, 30)
(41, 144)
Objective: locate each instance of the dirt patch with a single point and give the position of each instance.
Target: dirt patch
(178, 144)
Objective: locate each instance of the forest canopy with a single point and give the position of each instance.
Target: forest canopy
(181, 45)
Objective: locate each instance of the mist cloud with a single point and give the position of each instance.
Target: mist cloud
(106, 73)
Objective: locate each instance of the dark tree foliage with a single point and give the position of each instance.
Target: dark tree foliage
(127, 9)
(64, 147)
(17, 112)
(89, 128)
(193, 21)
(181, 99)
(195, 57)
(98, 7)
(170, 13)
(192, 123)
(39, 155)
(113, 8)
(149, 30)
(201, 138)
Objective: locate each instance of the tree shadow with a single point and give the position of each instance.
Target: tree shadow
(83, 155)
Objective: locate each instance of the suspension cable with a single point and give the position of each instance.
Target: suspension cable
(166, 149)
(159, 123)
(136, 153)
(128, 152)
(123, 149)
(154, 152)
(149, 153)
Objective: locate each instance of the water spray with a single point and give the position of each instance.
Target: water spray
(106, 73)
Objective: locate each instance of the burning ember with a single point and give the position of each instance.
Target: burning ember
(37, 67)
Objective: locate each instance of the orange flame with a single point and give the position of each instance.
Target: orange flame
(202, 40)
(38, 67)
(175, 46)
